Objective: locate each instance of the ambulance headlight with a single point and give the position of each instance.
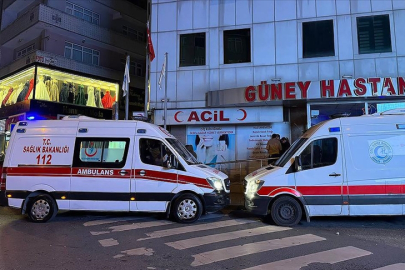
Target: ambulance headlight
(254, 186)
(215, 183)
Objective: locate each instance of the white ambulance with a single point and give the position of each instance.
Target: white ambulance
(81, 163)
(352, 166)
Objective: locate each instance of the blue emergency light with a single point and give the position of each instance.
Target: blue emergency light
(334, 129)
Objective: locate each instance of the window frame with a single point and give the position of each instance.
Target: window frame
(196, 60)
(134, 68)
(141, 148)
(312, 55)
(224, 47)
(311, 144)
(71, 47)
(72, 8)
(133, 33)
(24, 51)
(77, 162)
(357, 35)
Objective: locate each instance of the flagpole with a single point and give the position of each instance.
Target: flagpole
(125, 84)
(147, 94)
(147, 85)
(165, 109)
(127, 94)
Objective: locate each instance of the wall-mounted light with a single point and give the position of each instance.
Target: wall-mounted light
(347, 76)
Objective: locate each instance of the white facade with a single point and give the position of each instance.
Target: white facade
(276, 44)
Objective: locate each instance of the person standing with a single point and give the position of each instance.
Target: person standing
(285, 144)
(273, 147)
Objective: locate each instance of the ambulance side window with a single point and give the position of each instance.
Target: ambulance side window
(101, 152)
(319, 153)
(152, 151)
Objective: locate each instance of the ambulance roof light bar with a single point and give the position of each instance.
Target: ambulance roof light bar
(77, 117)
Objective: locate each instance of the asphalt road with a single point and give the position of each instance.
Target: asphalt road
(228, 240)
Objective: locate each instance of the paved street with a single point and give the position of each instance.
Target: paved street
(229, 240)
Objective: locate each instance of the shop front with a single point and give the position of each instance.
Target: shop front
(218, 135)
(309, 102)
(46, 92)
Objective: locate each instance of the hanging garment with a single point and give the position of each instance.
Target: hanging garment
(107, 100)
(10, 91)
(80, 98)
(41, 92)
(3, 94)
(97, 97)
(64, 93)
(90, 97)
(24, 92)
(16, 93)
(71, 97)
(10, 98)
(48, 84)
(29, 93)
(54, 91)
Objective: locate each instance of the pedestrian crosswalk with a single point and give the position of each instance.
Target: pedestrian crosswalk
(209, 243)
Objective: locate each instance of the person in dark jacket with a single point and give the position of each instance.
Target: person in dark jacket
(285, 144)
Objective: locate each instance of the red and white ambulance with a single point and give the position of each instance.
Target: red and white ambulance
(351, 166)
(81, 163)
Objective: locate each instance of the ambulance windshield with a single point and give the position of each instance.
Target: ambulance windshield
(290, 152)
(182, 151)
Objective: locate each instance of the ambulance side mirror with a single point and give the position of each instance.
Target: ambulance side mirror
(297, 163)
(171, 162)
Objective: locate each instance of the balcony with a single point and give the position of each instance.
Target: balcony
(43, 17)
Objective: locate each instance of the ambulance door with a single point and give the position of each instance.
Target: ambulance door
(153, 182)
(101, 173)
(321, 179)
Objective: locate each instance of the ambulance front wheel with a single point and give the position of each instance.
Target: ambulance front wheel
(286, 211)
(187, 208)
(41, 208)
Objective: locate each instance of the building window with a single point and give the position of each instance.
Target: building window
(318, 39)
(82, 54)
(373, 34)
(135, 68)
(25, 51)
(82, 13)
(132, 33)
(237, 46)
(192, 50)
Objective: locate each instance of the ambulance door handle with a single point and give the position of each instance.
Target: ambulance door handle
(142, 173)
(334, 174)
(123, 172)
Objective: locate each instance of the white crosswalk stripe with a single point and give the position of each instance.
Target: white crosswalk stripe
(243, 250)
(398, 266)
(330, 256)
(140, 225)
(108, 242)
(215, 238)
(196, 228)
(110, 220)
(233, 249)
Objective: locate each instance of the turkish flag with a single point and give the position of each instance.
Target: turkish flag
(150, 45)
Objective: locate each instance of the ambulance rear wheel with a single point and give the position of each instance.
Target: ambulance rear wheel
(187, 208)
(286, 211)
(41, 208)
